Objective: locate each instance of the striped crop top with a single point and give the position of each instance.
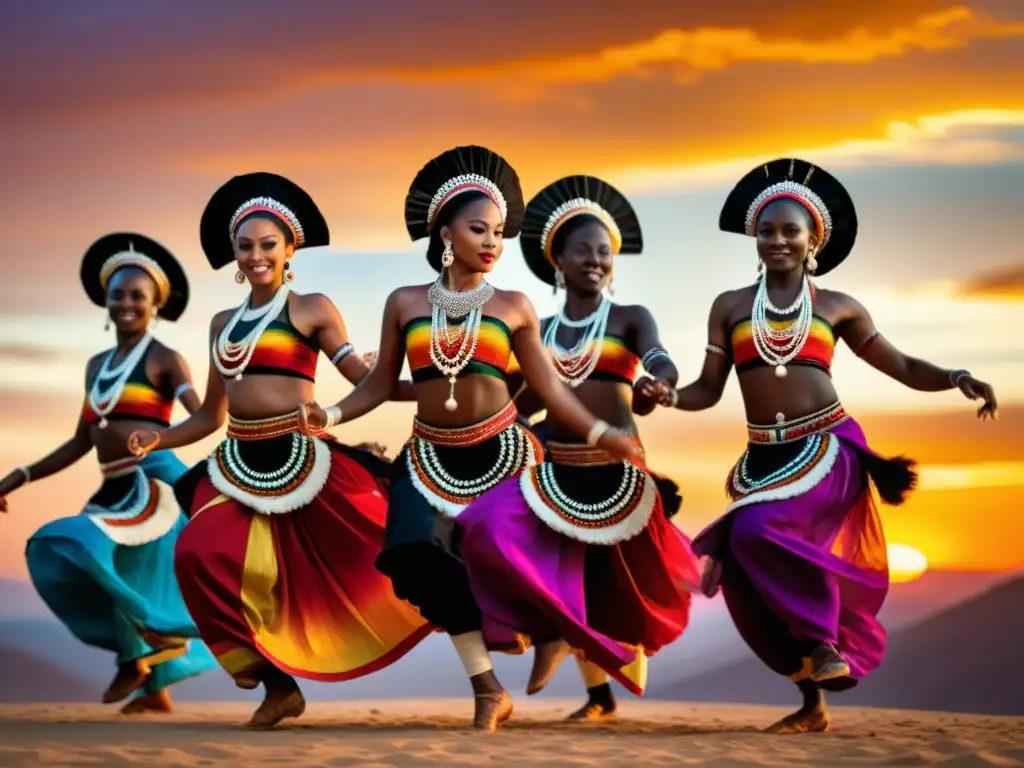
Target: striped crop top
(817, 351)
(141, 400)
(280, 350)
(491, 357)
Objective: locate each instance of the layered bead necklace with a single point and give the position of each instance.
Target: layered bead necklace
(104, 394)
(574, 365)
(779, 346)
(467, 308)
(231, 357)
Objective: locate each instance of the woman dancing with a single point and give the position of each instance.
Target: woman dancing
(459, 335)
(107, 573)
(799, 554)
(277, 561)
(579, 551)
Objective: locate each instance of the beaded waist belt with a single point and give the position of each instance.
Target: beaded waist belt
(120, 467)
(474, 434)
(788, 431)
(579, 455)
(263, 429)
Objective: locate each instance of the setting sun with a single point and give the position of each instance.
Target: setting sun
(905, 562)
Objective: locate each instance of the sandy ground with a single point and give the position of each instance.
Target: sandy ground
(412, 733)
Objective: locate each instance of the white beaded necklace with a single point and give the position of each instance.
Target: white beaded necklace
(232, 357)
(448, 303)
(779, 347)
(575, 365)
(103, 402)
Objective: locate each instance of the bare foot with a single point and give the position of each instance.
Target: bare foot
(278, 705)
(546, 659)
(593, 711)
(492, 709)
(159, 702)
(129, 678)
(814, 720)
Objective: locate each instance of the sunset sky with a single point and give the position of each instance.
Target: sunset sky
(127, 115)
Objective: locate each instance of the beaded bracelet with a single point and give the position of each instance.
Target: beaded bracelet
(955, 376)
(714, 349)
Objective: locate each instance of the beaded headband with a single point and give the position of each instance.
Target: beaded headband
(568, 210)
(799, 193)
(467, 182)
(131, 258)
(272, 206)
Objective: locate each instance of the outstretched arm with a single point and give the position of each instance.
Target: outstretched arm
(203, 422)
(539, 372)
(662, 373)
(858, 330)
(57, 460)
(707, 390)
(376, 386)
(334, 341)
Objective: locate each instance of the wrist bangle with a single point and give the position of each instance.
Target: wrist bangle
(26, 474)
(333, 416)
(596, 431)
(955, 376)
(673, 398)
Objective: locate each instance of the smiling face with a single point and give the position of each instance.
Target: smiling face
(476, 233)
(131, 300)
(262, 246)
(586, 255)
(785, 233)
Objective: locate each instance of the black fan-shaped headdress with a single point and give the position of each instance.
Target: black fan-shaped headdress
(569, 197)
(268, 192)
(459, 170)
(130, 249)
(814, 188)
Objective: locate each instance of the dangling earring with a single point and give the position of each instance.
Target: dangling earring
(106, 325)
(447, 256)
(288, 275)
(559, 281)
(812, 263)
(239, 277)
(760, 266)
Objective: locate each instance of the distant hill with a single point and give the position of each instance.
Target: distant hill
(966, 658)
(28, 678)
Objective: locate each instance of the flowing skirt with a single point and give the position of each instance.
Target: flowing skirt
(109, 572)
(580, 548)
(277, 560)
(800, 555)
(438, 473)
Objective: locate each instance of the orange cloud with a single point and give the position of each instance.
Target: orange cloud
(999, 284)
(692, 52)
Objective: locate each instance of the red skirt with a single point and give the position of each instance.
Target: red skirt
(295, 586)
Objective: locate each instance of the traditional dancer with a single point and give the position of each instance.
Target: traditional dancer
(107, 573)
(459, 334)
(799, 554)
(277, 561)
(579, 551)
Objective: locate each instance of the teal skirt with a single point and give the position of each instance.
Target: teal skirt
(108, 572)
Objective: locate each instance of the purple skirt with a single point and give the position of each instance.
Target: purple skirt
(801, 554)
(540, 579)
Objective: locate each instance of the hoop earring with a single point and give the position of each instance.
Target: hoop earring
(288, 275)
(239, 276)
(447, 256)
